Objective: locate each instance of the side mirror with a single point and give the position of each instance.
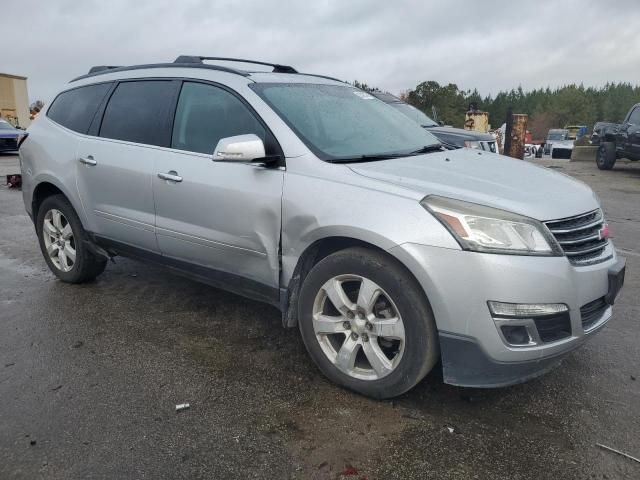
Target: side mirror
(441, 123)
(240, 148)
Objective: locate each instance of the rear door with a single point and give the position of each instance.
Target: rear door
(224, 217)
(116, 167)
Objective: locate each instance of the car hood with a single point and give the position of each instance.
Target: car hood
(457, 136)
(488, 179)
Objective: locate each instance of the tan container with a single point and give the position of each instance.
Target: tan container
(14, 101)
(477, 122)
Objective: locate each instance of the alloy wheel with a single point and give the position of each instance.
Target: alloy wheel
(358, 327)
(58, 240)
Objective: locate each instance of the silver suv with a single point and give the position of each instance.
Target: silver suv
(387, 251)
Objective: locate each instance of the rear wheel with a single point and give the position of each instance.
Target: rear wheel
(367, 324)
(606, 156)
(63, 242)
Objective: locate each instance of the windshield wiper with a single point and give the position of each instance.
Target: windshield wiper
(436, 147)
(369, 158)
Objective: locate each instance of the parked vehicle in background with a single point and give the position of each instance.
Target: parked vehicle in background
(620, 140)
(555, 134)
(9, 137)
(576, 131)
(558, 143)
(451, 137)
(388, 252)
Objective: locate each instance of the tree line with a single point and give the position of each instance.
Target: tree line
(547, 108)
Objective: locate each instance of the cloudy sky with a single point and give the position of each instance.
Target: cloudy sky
(394, 45)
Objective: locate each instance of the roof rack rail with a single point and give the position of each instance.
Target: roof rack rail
(197, 59)
(102, 68)
(323, 76)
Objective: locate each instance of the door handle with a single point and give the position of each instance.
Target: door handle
(172, 176)
(88, 160)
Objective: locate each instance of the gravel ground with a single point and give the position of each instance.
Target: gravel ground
(90, 376)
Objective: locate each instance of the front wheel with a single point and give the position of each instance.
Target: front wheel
(606, 156)
(366, 323)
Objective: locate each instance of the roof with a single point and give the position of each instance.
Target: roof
(9, 75)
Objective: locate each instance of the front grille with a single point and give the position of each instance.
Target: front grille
(580, 237)
(591, 312)
(8, 144)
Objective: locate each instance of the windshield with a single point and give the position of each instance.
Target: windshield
(5, 125)
(344, 123)
(414, 114)
(556, 136)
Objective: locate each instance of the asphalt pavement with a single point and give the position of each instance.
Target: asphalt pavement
(90, 376)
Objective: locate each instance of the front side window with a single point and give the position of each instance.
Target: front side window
(344, 123)
(76, 108)
(206, 114)
(139, 112)
(634, 118)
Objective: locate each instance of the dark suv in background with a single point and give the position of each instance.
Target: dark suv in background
(451, 137)
(618, 140)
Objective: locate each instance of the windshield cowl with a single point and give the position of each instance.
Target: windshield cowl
(387, 156)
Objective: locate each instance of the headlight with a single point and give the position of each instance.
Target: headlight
(472, 144)
(490, 230)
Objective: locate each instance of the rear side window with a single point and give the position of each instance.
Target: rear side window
(139, 112)
(205, 114)
(76, 108)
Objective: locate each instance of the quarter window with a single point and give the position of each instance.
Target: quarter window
(205, 114)
(76, 108)
(139, 112)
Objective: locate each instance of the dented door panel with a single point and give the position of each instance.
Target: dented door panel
(222, 216)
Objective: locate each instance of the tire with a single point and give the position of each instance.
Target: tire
(606, 156)
(58, 224)
(409, 343)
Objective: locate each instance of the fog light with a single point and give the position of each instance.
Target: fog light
(525, 310)
(516, 334)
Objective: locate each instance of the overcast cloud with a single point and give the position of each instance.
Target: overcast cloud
(394, 45)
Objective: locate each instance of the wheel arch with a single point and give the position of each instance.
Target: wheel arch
(320, 249)
(47, 187)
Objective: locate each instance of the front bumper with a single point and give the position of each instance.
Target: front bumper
(458, 285)
(561, 152)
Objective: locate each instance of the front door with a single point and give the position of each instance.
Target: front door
(632, 134)
(223, 217)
